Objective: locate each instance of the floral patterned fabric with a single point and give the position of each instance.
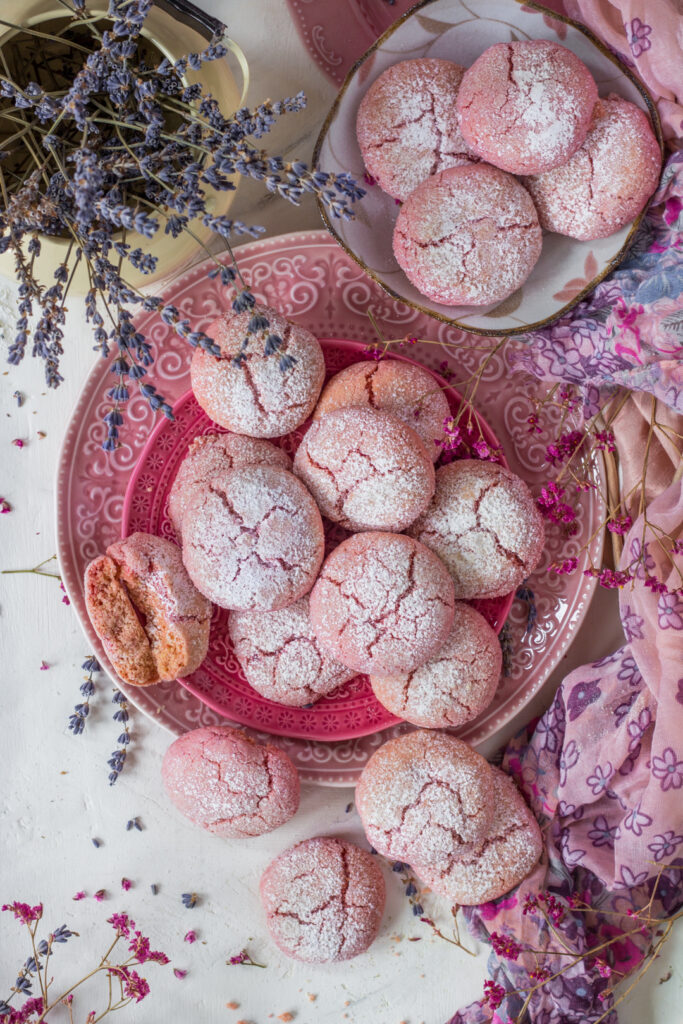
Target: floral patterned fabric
(603, 772)
(629, 332)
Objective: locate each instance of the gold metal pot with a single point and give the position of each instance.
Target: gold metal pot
(174, 30)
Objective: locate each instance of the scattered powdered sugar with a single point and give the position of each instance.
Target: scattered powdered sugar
(511, 849)
(280, 656)
(228, 783)
(607, 181)
(456, 684)
(366, 469)
(324, 900)
(407, 124)
(425, 797)
(383, 603)
(212, 454)
(257, 397)
(483, 522)
(389, 385)
(468, 235)
(253, 539)
(526, 106)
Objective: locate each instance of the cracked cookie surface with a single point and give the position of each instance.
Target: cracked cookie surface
(425, 797)
(212, 454)
(383, 603)
(257, 397)
(323, 899)
(468, 235)
(407, 124)
(483, 522)
(228, 783)
(281, 657)
(607, 181)
(455, 685)
(526, 106)
(366, 469)
(389, 385)
(151, 619)
(253, 538)
(511, 849)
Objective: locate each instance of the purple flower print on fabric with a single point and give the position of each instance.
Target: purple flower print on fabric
(629, 879)
(670, 611)
(565, 809)
(600, 779)
(569, 856)
(630, 673)
(665, 845)
(582, 696)
(623, 709)
(647, 561)
(638, 727)
(637, 820)
(601, 834)
(668, 769)
(637, 33)
(633, 624)
(570, 755)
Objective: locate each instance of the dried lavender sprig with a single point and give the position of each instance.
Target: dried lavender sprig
(507, 648)
(118, 758)
(525, 593)
(81, 711)
(123, 109)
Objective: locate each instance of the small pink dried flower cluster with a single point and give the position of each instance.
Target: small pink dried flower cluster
(505, 946)
(554, 508)
(565, 446)
(610, 579)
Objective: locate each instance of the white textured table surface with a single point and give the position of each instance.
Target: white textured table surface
(55, 794)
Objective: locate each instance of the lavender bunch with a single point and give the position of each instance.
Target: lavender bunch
(116, 144)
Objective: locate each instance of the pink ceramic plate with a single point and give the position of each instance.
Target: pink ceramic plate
(337, 32)
(352, 710)
(312, 280)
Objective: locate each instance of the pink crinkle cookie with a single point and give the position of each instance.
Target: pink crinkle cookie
(455, 685)
(324, 900)
(505, 857)
(483, 522)
(389, 385)
(425, 798)
(280, 655)
(228, 783)
(608, 181)
(526, 106)
(366, 469)
(253, 538)
(212, 454)
(407, 124)
(383, 603)
(468, 236)
(151, 619)
(264, 395)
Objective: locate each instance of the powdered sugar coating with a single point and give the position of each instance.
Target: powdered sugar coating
(608, 181)
(253, 538)
(455, 685)
(407, 124)
(389, 385)
(526, 106)
(152, 621)
(280, 656)
(228, 783)
(212, 454)
(469, 235)
(511, 849)
(366, 469)
(484, 524)
(258, 398)
(425, 797)
(324, 900)
(383, 603)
